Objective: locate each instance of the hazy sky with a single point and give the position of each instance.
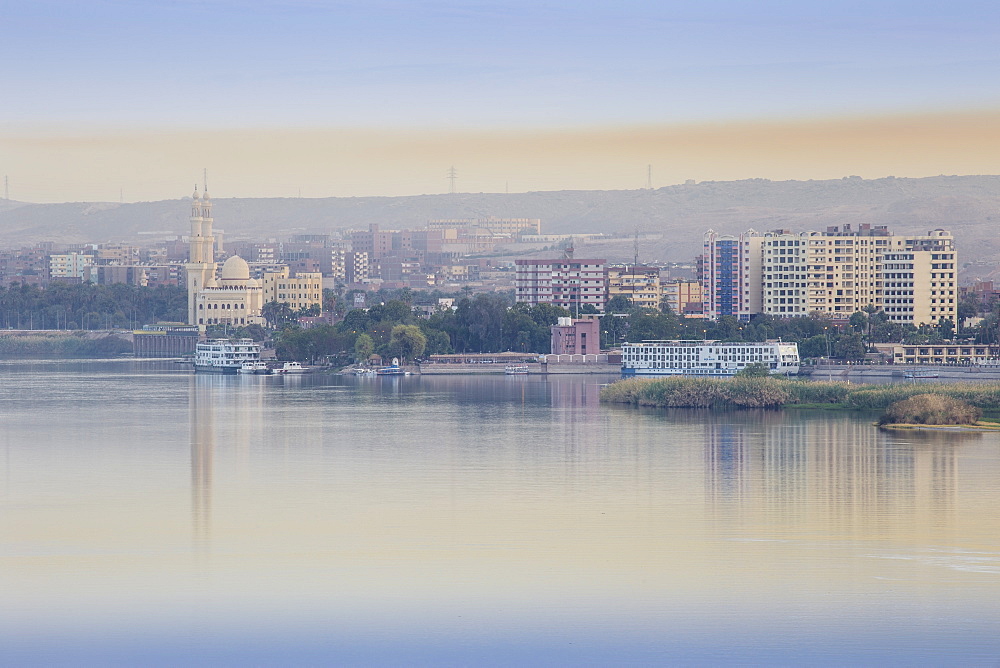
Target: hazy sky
(382, 96)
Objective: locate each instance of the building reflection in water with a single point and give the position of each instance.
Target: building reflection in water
(227, 409)
(202, 417)
(838, 474)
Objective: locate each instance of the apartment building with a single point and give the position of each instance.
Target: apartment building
(566, 282)
(833, 273)
(640, 284)
(299, 292)
(919, 279)
(731, 275)
(70, 265)
(683, 297)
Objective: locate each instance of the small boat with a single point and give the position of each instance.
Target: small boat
(290, 367)
(515, 369)
(393, 369)
(364, 372)
(257, 368)
(921, 373)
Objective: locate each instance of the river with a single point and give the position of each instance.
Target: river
(149, 516)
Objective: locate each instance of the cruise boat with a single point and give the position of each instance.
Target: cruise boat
(515, 369)
(707, 358)
(917, 374)
(225, 355)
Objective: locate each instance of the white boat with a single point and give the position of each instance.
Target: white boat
(258, 368)
(225, 355)
(707, 358)
(515, 369)
(290, 367)
(917, 374)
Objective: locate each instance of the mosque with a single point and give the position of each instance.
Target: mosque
(233, 298)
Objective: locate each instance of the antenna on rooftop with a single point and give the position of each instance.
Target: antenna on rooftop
(452, 176)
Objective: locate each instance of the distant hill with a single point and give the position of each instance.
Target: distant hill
(967, 205)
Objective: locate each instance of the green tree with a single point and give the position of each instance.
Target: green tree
(850, 347)
(364, 346)
(618, 304)
(755, 370)
(277, 314)
(407, 342)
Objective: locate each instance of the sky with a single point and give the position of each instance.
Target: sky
(109, 99)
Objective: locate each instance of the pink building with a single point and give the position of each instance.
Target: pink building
(576, 337)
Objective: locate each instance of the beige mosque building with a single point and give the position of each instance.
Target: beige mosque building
(233, 298)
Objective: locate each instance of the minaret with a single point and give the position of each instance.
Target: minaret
(201, 257)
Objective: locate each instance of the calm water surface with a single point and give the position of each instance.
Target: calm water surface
(149, 516)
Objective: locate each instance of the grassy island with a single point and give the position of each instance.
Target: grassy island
(686, 392)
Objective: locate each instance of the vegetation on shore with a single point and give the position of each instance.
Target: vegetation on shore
(931, 409)
(68, 344)
(744, 392)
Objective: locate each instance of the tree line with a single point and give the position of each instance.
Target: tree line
(90, 307)
(483, 323)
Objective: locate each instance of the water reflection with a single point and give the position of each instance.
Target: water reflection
(230, 406)
(836, 474)
(323, 519)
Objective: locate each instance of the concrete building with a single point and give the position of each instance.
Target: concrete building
(499, 227)
(683, 297)
(639, 284)
(569, 283)
(576, 337)
(835, 273)
(783, 268)
(731, 275)
(301, 291)
(70, 265)
(110, 274)
(941, 353)
(919, 279)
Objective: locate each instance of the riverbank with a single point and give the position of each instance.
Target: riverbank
(63, 344)
(683, 392)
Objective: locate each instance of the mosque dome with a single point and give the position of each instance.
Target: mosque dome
(235, 269)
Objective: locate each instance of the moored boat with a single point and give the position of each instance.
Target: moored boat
(225, 355)
(393, 369)
(291, 367)
(258, 368)
(515, 369)
(707, 358)
(917, 374)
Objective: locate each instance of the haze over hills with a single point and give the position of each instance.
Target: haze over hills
(967, 205)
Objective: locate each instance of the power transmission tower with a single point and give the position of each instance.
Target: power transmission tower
(452, 177)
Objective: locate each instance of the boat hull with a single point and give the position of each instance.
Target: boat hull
(226, 370)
